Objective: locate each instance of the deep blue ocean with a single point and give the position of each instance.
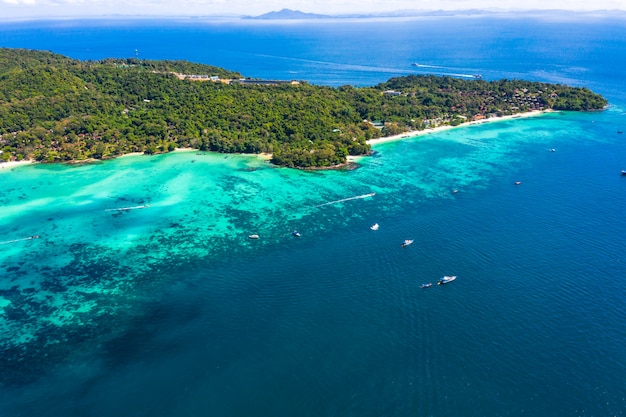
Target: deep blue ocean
(172, 311)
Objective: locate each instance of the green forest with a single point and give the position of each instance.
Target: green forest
(54, 109)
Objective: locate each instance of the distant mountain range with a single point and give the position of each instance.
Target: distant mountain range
(288, 14)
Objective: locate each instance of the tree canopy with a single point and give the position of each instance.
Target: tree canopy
(53, 108)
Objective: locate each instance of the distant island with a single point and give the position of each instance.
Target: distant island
(55, 109)
(288, 14)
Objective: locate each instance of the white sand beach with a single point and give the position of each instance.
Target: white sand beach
(7, 166)
(447, 127)
(130, 154)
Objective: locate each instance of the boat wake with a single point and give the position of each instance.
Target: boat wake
(19, 240)
(338, 65)
(429, 66)
(129, 208)
(449, 71)
(346, 199)
(465, 75)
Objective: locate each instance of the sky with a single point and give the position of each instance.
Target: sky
(37, 9)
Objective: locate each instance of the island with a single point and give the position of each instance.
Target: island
(56, 109)
(288, 14)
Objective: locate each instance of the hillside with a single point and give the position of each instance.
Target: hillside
(54, 109)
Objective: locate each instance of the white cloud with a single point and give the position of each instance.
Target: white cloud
(43, 8)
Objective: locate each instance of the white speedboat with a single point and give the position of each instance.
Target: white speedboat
(253, 237)
(406, 243)
(446, 279)
(374, 226)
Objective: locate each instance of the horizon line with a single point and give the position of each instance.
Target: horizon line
(393, 14)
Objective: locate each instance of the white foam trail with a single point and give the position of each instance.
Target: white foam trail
(346, 199)
(430, 66)
(128, 208)
(338, 65)
(446, 69)
(19, 240)
(452, 74)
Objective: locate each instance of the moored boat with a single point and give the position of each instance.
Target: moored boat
(374, 226)
(446, 279)
(253, 237)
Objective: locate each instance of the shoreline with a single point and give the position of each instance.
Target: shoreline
(350, 159)
(8, 166)
(416, 133)
(263, 155)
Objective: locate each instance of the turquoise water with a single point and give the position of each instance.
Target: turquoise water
(172, 310)
(168, 309)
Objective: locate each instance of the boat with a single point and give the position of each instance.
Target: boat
(477, 76)
(430, 284)
(253, 237)
(415, 64)
(518, 182)
(446, 279)
(296, 233)
(455, 191)
(623, 172)
(374, 226)
(407, 242)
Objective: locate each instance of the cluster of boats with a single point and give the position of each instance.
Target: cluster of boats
(445, 280)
